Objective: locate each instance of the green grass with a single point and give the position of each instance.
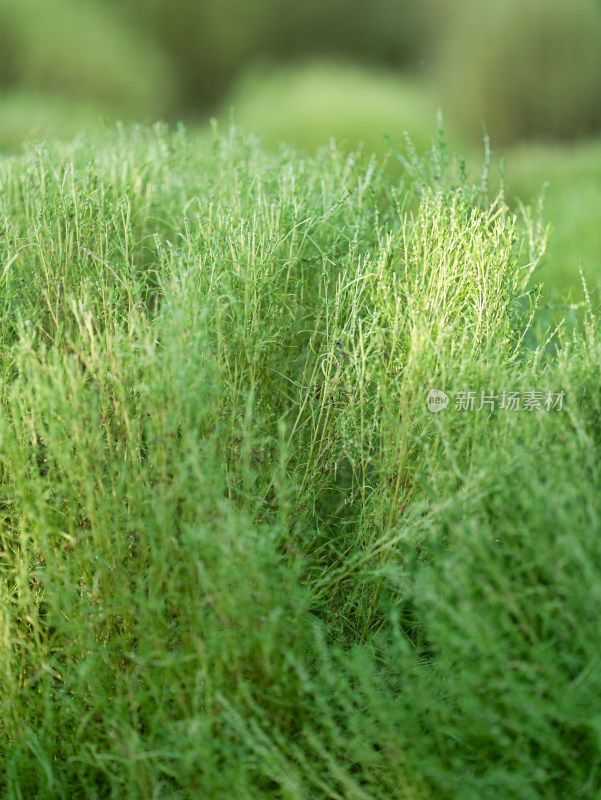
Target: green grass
(240, 557)
(309, 104)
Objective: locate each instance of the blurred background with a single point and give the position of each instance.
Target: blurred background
(530, 70)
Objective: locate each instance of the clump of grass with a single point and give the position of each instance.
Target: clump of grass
(240, 556)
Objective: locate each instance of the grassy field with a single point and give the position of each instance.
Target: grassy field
(240, 555)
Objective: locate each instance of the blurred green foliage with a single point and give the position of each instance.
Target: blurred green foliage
(570, 176)
(211, 41)
(152, 53)
(528, 69)
(310, 103)
(84, 52)
(141, 59)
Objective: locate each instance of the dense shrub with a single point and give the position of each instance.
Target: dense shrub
(239, 556)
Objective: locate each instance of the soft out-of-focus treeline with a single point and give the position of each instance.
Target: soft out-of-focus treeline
(82, 51)
(528, 68)
(211, 41)
(174, 58)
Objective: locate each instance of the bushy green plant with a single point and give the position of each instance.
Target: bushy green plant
(240, 556)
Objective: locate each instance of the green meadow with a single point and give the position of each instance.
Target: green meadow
(246, 550)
